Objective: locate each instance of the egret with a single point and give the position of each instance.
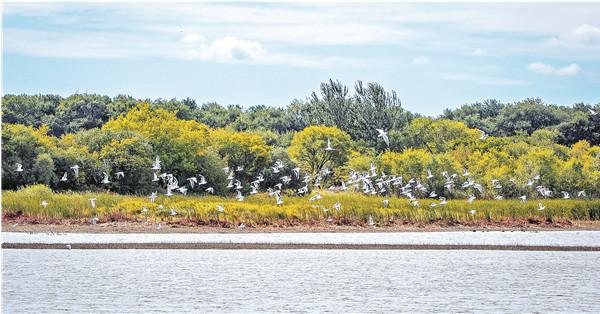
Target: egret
(429, 175)
(94, 220)
(210, 190)
(471, 199)
(68, 246)
(220, 208)
(279, 199)
(19, 168)
(592, 112)
(173, 212)
(192, 181)
(120, 175)
(93, 202)
(472, 212)
(483, 135)
(64, 177)
(565, 194)
(384, 136)
(541, 207)
(155, 178)
(337, 206)
(242, 226)
(523, 198)
(581, 194)
(296, 172)
(44, 203)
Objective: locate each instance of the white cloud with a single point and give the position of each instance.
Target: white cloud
(192, 38)
(483, 80)
(421, 61)
(584, 34)
(546, 69)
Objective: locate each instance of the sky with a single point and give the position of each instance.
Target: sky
(435, 56)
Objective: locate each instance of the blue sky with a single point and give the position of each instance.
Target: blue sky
(435, 56)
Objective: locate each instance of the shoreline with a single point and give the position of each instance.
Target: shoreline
(19, 225)
(291, 246)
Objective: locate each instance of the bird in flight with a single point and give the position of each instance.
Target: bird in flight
(384, 136)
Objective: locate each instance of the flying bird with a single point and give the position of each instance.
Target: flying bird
(384, 136)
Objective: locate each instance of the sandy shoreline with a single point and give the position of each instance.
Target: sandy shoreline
(291, 246)
(16, 225)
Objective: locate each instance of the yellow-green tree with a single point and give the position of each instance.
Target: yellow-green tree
(309, 148)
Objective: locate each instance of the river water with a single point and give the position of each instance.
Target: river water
(243, 281)
(546, 238)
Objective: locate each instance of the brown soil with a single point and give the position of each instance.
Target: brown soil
(30, 224)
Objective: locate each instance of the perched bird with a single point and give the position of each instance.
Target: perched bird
(592, 112)
(120, 175)
(239, 196)
(19, 167)
(581, 194)
(370, 222)
(68, 246)
(472, 212)
(220, 208)
(471, 199)
(316, 197)
(483, 135)
(210, 190)
(541, 207)
(64, 177)
(44, 203)
(523, 198)
(384, 136)
(565, 194)
(173, 212)
(93, 202)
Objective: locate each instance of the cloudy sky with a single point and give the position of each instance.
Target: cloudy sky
(435, 56)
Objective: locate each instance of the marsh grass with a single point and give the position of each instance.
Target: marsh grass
(260, 209)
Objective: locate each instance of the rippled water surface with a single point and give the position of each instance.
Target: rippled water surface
(245, 281)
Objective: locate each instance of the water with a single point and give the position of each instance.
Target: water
(124, 281)
(550, 238)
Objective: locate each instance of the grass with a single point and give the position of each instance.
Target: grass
(260, 209)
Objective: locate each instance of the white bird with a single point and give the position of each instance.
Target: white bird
(429, 174)
(105, 179)
(44, 203)
(226, 169)
(192, 181)
(75, 170)
(94, 220)
(565, 194)
(581, 194)
(64, 177)
(443, 201)
(523, 198)
(296, 172)
(337, 206)
(210, 190)
(68, 246)
(541, 207)
(370, 221)
(239, 196)
(239, 168)
(173, 212)
(156, 164)
(483, 135)
(202, 180)
(19, 167)
(279, 199)
(383, 135)
(329, 148)
(472, 212)
(169, 191)
(316, 197)
(144, 210)
(242, 226)
(183, 190)
(220, 208)
(386, 203)
(93, 202)
(155, 177)
(120, 175)
(592, 112)
(153, 196)
(471, 199)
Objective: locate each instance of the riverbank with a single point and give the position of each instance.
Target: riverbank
(24, 224)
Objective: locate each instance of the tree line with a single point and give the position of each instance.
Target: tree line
(48, 134)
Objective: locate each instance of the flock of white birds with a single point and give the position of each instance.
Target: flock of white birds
(369, 182)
